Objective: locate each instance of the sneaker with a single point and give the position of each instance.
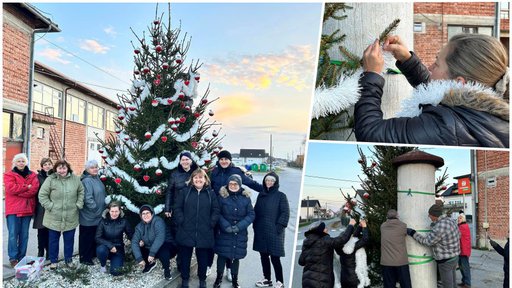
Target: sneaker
(103, 269)
(13, 262)
(149, 267)
(208, 271)
(53, 266)
(264, 283)
(278, 285)
(167, 275)
(228, 274)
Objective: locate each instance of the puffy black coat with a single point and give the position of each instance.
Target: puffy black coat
(272, 214)
(235, 209)
(503, 251)
(348, 276)
(219, 177)
(110, 231)
(175, 183)
(462, 118)
(196, 214)
(317, 258)
(39, 213)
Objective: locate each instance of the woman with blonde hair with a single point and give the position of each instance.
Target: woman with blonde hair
(21, 187)
(458, 100)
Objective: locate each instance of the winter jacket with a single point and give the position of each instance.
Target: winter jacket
(175, 183)
(94, 200)
(152, 234)
(110, 231)
(19, 199)
(444, 238)
(503, 251)
(317, 258)
(353, 264)
(39, 213)
(61, 198)
(467, 115)
(196, 213)
(272, 214)
(219, 177)
(235, 210)
(393, 251)
(465, 239)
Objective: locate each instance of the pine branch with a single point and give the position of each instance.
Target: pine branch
(391, 27)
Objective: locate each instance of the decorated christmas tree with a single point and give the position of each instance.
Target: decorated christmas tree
(160, 116)
(379, 183)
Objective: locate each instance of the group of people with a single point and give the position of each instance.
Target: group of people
(202, 214)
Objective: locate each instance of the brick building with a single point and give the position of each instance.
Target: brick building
(66, 115)
(493, 185)
(436, 22)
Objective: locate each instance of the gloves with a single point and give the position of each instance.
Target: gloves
(235, 229)
(229, 229)
(411, 232)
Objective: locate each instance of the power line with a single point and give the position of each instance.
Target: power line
(326, 186)
(336, 179)
(90, 84)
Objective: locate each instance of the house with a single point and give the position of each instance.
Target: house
(456, 199)
(253, 156)
(309, 209)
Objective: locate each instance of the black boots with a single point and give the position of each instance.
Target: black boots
(234, 282)
(218, 280)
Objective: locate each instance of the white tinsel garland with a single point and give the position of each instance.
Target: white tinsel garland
(335, 99)
(185, 136)
(129, 205)
(199, 160)
(114, 171)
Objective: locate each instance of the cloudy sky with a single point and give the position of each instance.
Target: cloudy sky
(259, 60)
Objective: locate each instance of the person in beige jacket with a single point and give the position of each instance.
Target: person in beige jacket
(393, 257)
(61, 195)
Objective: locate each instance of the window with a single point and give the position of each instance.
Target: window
(504, 12)
(419, 27)
(95, 116)
(40, 133)
(75, 109)
(47, 99)
(454, 30)
(110, 121)
(13, 125)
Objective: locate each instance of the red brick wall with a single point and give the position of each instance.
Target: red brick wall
(76, 145)
(497, 197)
(16, 64)
(457, 8)
(428, 44)
(39, 147)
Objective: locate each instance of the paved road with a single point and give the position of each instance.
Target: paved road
(250, 267)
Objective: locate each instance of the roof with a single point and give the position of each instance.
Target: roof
(452, 191)
(310, 203)
(30, 12)
(57, 76)
(253, 153)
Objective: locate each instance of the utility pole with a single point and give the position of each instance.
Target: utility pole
(307, 209)
(270, 153)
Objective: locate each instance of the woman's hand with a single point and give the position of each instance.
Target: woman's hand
(363, 223)
(372, 58)
(141, 243)
(113, 250)
(395, 45)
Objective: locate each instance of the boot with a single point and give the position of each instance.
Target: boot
(40, 253)
(202, 283)
(234, 281)
(218, 280)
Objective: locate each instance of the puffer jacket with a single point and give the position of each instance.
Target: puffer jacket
(110, 231)
(219, 177)
(61, 198)
(272, 212)
(317, 258)
(152, 234)
(19, 199)
(464, 116)
(175, 183)
(39, 213)
(235, 210)
(348, 276)
(196, 213)
(94, 200)
(465, 239)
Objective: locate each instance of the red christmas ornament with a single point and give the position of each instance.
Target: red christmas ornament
(154, 103)
(156, 22)
(158, 192)
(146, 178)
(211, 113)
(136, 51)
(158, 49)
(204, 101)
(104, 156)
(158, 76)
(126, 138)
(137, 167)
(118, 180)
(178, 59)
(183, 119)
(156, 82)
(100, 150)
(158, 172)
(169, 101)
(187, 108)
(374, 164)
(197, 114)
(145, 70)
(360, 161)
(174, 127)
(215, 133)
(443, 188)
(164, 138)
(171, 121)
(197, 77)
(120, 117)
(147, 135)
(194, 144)
(182, 104)
(220, 147)
(207, 161)
(119, 107)
(136, 72)
(103, 178)
(165, 65)
(181, 95)
(206, 139)
(132, 108)
(366, 195)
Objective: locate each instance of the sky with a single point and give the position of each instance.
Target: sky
(259, 60)
(339, 161)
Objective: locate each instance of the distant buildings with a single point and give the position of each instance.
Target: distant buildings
(309, 210)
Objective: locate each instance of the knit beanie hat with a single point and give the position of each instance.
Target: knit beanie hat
(435, 210)
(145, 208)
(270, 177)
(235, 178)
(186, 154)
(224, 154)
(316, 228)
(392, 214)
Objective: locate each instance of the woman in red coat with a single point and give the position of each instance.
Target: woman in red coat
(20, 191)
(465, 251)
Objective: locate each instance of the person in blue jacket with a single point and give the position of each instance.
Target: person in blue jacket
(236, 214)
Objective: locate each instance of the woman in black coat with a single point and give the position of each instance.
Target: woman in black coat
(109, 238)
(464, 106)
(272, 214)
(354, 267)
(42, 232)
(317, 255)
(196, 212)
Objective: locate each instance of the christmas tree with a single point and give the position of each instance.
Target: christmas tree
(380, 194)
(159, 117)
